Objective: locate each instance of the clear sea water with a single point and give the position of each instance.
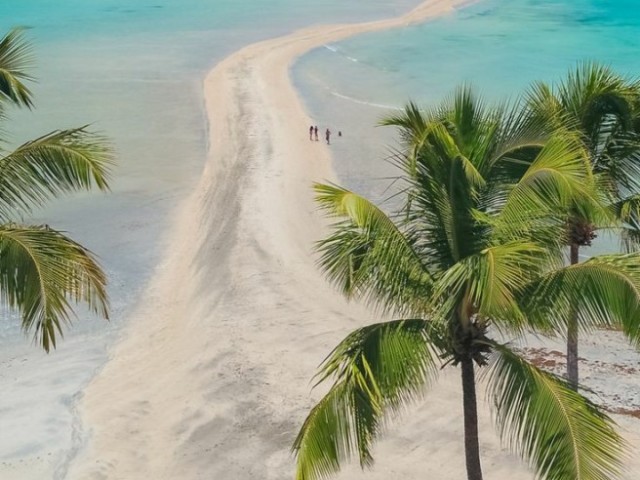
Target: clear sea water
(497, 46)
(134, 70)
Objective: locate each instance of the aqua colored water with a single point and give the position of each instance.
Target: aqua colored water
(497, 46)
(134, 70)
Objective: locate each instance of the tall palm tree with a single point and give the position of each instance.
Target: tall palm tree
(475, 243)
(601, 107)
(43, 271)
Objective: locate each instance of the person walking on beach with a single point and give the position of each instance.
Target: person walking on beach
(315, 130)
(327, 135)
(311, 132)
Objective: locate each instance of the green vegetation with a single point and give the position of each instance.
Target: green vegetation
(43, 271)
(474, 253)
(601, 107)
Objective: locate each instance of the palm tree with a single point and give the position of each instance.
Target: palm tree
(601, 107)
(475, 243)
(42, 270)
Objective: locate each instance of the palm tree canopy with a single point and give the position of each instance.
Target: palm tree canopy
(485, 197)
(473, 189)
(603, 108)
(593, 100)
(58, 163)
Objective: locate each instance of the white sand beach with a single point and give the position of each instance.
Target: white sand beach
(212, 376)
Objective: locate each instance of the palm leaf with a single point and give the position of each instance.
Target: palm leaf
(492, 281)
(41, 272)
(368, 257)
(15, 60)
(476, 126)
(558, 179)
(603, 291)
(592, 92)
(520, 137)
(412, 124)
(543, 108)
(443, 193)
(561, 433)
(601, 106)
(377, 368)
(627, 211)
(326, 440)
(57, 163)
(447, 150)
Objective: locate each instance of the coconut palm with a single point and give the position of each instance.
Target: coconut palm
(475, 243)
(601, 107)
(43, 271)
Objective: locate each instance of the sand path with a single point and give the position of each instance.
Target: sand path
(211, 378)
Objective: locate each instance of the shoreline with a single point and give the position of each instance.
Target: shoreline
(211, 377)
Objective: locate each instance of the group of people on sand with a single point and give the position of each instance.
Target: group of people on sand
(313, 133)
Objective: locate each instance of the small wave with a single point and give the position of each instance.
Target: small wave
(328, 89)
(364, 102)
(333, 49)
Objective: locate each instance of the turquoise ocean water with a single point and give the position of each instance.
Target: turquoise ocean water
(499, 47)
(134, 69)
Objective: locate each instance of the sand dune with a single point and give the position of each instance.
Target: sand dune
(211, 378)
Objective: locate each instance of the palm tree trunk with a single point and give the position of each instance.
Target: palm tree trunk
(471, 445)
(572, 332)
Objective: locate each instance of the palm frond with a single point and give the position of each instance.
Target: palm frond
(412, 124)
(519, 139)
(368, 257)
(41, 272)
(443, 193)
(492, 280)
(57, 163)
(619, 159)
(592, 92)
(561, 433)
(603, 291)
(414, 127)
(544, 108)
(627, 211)
(558, 179)
(15, 60)
(467, 113)
(377, 368)
(473, 124)
(448, 150)
(601, 106)
(326, 440)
